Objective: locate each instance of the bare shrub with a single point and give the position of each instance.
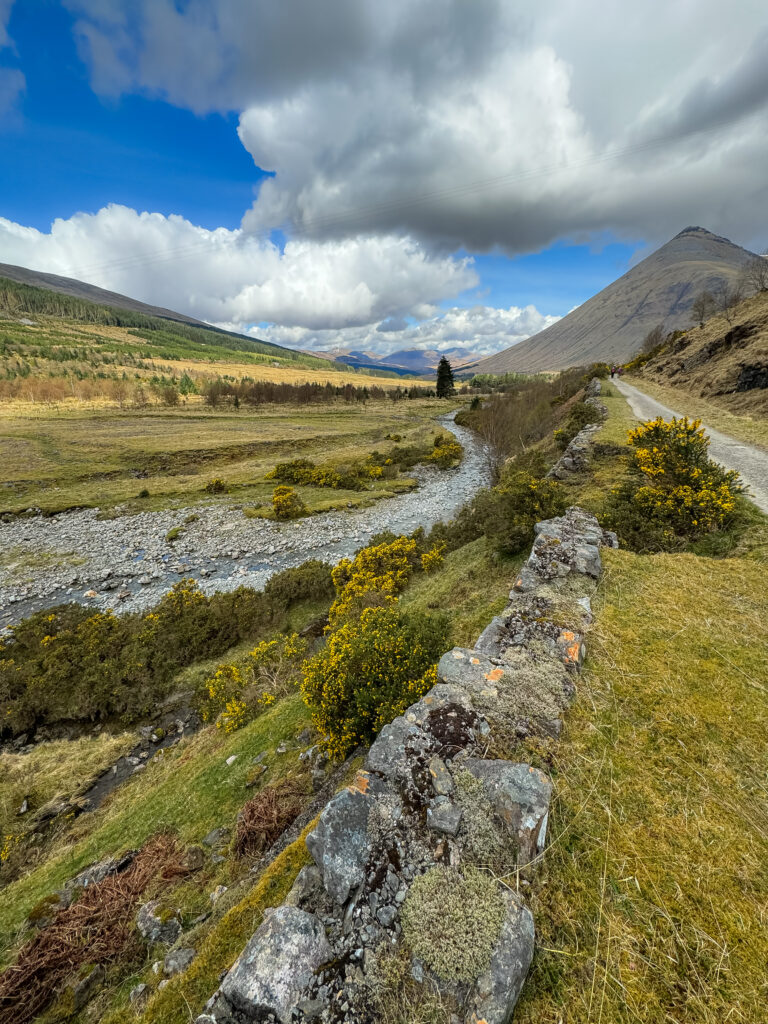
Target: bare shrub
(265, 817)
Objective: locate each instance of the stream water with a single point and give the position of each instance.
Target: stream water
(127, 564)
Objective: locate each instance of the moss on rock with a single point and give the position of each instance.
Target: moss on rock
(451, 921)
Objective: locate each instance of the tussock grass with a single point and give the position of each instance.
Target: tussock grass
(656, 888)
(58, 768)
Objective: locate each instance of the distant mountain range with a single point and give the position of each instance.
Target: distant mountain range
(407, 360)
(611, 325)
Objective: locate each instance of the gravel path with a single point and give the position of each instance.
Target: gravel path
(750, 462)
(127, 564)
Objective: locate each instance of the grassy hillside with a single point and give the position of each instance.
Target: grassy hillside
(656, 886)
(724, 363)
(59, 349)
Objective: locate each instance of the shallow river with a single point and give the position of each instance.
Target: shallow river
(126, 563)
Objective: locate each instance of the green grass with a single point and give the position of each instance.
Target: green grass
(471, 587)
(60, 460)
(190, 789)
(656, 885)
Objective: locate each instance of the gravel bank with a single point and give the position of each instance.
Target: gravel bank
(127, 564)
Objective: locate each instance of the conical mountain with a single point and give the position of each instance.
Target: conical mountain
(612, 324)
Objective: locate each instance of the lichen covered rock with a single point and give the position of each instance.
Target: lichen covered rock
(275, 969)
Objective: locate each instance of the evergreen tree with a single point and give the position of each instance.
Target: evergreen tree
(444, 386)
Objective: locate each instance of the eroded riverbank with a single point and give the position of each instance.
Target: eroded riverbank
(127, 563)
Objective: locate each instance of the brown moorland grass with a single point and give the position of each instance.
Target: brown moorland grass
(99, 459)
(654, 899)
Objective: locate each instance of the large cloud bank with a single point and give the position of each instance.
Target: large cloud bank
(466, 124)
(402, 133)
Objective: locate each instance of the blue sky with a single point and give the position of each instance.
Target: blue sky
(390, 190)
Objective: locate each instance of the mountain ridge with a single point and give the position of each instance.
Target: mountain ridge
(610, 326)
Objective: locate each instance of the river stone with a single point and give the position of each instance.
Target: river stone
(496, 992)
(275, 969)
(157, 929)
(340, 845)
(520, 795)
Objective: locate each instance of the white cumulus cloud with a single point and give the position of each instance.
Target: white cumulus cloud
(231, 276)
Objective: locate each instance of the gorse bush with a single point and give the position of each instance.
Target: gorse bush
(304, 471)
(509, 511)
(235, 694)
(287, 504)
(446, 452)
(72, 664)
(215, 486)
(371, 669)
(674, 492)
(374, 577)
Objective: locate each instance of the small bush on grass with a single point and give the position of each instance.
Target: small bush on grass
(235, 694)
(674, 493)
(580, 415)
(446, 452)
(508, 512)
(265, 817)
(215, 486)
(372, 668)
(287, 504)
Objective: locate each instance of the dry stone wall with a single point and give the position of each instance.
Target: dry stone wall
(400, 855)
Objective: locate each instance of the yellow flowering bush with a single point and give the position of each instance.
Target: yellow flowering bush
(433, 558)
(371, 669)
(446, 452)
(235, 694)
(287, 504)
(674, 492)
(375, 576)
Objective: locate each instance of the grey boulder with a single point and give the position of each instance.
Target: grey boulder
(178, 960)
(496, 992)
(340, 845)
(156, 927)
(520, 795)
(276, 968)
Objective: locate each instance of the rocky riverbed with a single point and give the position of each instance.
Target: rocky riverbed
(127, 564)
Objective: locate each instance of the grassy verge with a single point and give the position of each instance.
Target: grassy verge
(472, 586)
(190, 790)
(656, 884)
(751, 429)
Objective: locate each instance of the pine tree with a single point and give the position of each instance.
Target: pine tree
(444, 385)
